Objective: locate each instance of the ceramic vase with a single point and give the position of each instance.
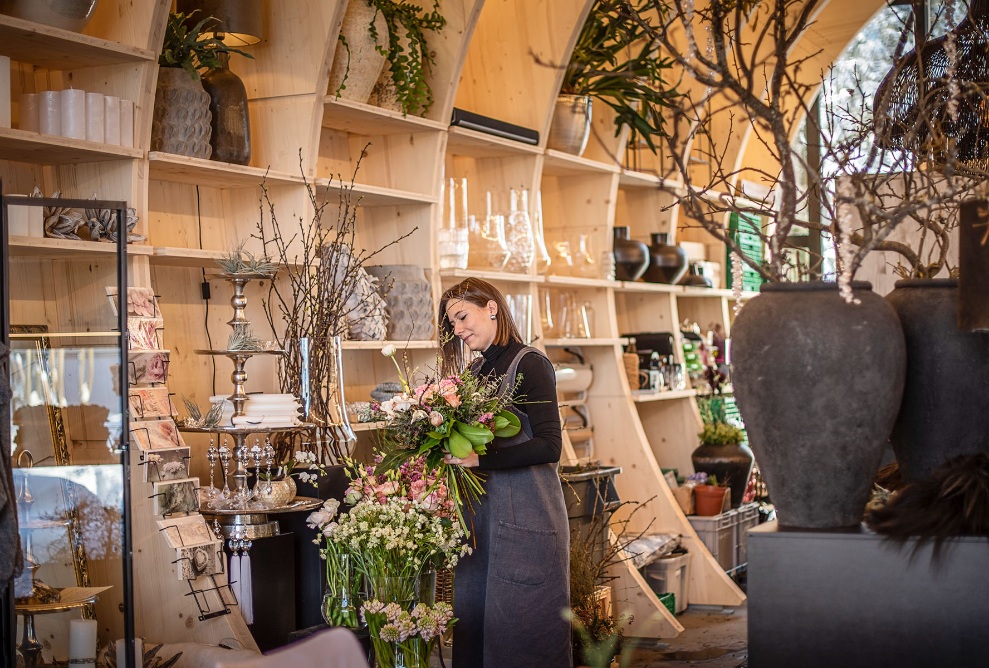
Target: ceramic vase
(818, 383)
(409, 301)
(571, 125)
(357, 61)
(181, 120)
(667, 262)
(230, 124)
(731, 464)
(695, 278)
(631, 257)
(945, 409)
(64, 14)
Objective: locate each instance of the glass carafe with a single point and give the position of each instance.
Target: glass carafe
(584, 265)
(547, 310)
(453, 233)
(563, 261)
(543, 260)
(488, 249)
(518, 233)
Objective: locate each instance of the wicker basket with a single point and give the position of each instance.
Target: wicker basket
(631, 362)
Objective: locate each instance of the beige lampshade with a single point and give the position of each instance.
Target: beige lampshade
(238, 21)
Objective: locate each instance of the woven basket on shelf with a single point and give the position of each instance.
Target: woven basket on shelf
(631, 362)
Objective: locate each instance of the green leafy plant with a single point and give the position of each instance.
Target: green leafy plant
(721, 433)
(615, 62)
(185, 46)
(407, 23)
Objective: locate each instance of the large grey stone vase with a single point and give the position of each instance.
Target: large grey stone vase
(945, 409)
(818, 382)
(409, 299)
(181, 120)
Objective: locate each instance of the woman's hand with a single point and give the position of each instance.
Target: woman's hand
(470, 460)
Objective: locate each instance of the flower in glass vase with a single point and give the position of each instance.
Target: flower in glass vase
(406, 637)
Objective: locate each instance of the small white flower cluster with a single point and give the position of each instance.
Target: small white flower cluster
(951, 51)
(398, 625)
(846, 252)
(308, 461)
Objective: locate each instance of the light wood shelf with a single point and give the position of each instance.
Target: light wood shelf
(637, 286)
(57, 49)
(39, 149)
(632, 179)
(641, 397)
(475, 144)
(578, 282)
(368, 120)
(558, 163)
(68, 249)
(454, 275)
(367, 426)
(399, 345)
(577, 343)
(212, 174)
(374, 196)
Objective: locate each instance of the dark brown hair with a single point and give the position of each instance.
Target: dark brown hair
(477, 292)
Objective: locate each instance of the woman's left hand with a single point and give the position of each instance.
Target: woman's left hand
(470, 460)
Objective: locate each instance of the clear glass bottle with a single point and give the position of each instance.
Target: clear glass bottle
(488, 249)
(584, 265)
(547, 316)
(454, 246)
(563, 262)
(543, 260)
(518, 233)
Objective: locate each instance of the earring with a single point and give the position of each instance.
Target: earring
(494, 317)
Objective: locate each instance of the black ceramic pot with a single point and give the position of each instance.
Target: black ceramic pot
(945, 409)
(631, 257)
(731, 464)
(231, 138)
(696, 278)
(818, 382)
(667, 262)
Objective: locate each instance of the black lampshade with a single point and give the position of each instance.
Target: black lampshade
(926, 128)
(238, 21)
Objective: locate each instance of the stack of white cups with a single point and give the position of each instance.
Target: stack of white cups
(76, 114)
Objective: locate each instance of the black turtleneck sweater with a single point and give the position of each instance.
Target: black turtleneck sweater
(536, 397)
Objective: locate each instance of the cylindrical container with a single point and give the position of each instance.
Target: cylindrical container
(126, 123)
(94, 117)
(111, 120)
(50, 113)
(29, 112)
(73, 113)
(82, 640)
(4, 91)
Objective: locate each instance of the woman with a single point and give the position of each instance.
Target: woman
(510, 593)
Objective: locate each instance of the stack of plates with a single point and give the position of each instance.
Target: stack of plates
(262, 410)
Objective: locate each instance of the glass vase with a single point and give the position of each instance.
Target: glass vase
(343, 597)
(488, 249)
(543, 260)
(401, 589)
(584, 265)
(521, 242)
(453, 235)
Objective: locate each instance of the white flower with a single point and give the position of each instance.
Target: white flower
(388, 351)
(418, 415)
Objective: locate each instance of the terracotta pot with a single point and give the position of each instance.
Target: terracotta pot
(571, 125)
(357, 61)
(709, 500)
(181, 121)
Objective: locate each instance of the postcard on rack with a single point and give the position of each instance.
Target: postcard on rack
(176, 496)
(199, 560)
(150, 402)
(165, 464)
(150, 435)
(187, 531)
(147, 367)
(144, 333)
(141, 302)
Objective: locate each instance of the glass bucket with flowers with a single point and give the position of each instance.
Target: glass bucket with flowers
(406, 638)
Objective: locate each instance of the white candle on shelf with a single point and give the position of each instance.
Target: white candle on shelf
(111, 120)
(138, 652)
(29, 112)
(25, 221)
(94, 117)
(126, 123)
(4, 91)
(73, 113)
(50, 113)
(82, 639)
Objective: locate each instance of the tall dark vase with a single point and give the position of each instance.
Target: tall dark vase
(731, 464)
(945, 409)
(631, 257)
(667, 262)
(231, 125)
(818, 382)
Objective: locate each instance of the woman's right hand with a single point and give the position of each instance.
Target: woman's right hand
(469, 461)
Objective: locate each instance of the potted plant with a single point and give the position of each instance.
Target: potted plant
(615, 63)
(181, 121)
(709, 495)
(724, 454)
(376, 32)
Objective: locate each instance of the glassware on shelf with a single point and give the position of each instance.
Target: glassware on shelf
(488, 248)
(606, 265)
(521, 242)
(546, 314)
(543, 260)
(584, 265)
(563, 261)
(520, 306)
(569, 315)
(453, 233)
(585, 321)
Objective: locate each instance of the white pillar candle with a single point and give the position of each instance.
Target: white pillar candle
(138, 652)
(82, 639)
(50, 113)
(111, 120)
(4, 91)
(126, 123)
(25, 221)
(73, 113)
(94, 117)
(29, 112)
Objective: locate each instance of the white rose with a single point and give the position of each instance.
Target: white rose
(388, 351)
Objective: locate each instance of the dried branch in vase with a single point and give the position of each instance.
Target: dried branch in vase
(322, 292)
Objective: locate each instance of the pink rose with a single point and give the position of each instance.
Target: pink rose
(436, 418)
(387, 489)
(452, 398)
(447, 386)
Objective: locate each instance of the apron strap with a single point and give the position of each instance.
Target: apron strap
(509, 380)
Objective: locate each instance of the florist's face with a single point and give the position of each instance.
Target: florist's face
(472, 324)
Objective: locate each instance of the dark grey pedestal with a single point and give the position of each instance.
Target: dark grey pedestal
(854, 599)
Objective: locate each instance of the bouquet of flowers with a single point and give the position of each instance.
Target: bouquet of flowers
(457, 414)
(406, 638)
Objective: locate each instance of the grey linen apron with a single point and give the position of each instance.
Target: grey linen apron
(510, 593)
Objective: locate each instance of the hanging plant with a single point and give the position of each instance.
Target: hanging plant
(407, 51)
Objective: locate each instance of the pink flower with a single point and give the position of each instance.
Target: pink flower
(447, 386)
(487, 419)
(452, 398)
(387, 489)
(436, 418)
(424, 393)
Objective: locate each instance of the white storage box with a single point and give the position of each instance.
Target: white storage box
(748, 517)
(718, 534)
(669, 575)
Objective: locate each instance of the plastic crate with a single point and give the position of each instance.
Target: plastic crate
(748, 517)
(669, 576)
(718, 534)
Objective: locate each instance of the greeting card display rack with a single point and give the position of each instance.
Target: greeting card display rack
(241, 511)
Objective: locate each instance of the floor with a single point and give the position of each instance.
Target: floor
(713, 637)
